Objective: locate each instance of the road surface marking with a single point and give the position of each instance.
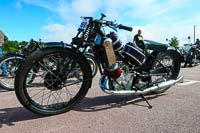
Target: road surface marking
(188, 82)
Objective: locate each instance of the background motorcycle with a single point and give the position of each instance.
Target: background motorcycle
(67, 80)
(192, 56)
(13, 60)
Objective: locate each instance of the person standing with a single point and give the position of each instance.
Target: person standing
(3, 40)
(137, 38)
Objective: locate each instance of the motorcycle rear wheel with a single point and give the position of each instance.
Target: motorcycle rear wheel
(48, 94)
(172, 62)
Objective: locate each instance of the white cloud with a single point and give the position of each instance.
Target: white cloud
(162, 29)
(48, 4)
(154, 8)
(86, 6)
(161, 18)
(68, 10)
(57, 32)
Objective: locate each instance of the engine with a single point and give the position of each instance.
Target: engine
(118, 78)
(124, 82)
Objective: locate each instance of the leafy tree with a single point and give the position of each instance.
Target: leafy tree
(13, 46)
(10, 46)
(23, 43)
(174, 42)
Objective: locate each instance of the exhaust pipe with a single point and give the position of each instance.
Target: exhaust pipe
(105, 87)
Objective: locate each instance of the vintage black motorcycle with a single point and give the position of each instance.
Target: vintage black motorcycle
(65, 75)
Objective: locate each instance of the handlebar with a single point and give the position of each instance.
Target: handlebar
(120, 26)
(125, 27)
(111, 24)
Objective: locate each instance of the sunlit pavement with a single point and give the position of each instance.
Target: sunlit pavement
(176, 110)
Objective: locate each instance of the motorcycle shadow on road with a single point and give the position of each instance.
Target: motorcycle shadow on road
(9, 116)
(112, 101)
(2, 90)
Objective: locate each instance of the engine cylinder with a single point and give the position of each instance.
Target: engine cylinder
(117, 44)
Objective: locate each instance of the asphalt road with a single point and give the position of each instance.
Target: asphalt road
(175, 111)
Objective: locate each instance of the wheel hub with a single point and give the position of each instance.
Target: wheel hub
(52, 82)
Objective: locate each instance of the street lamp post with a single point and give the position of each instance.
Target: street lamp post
(194, 32)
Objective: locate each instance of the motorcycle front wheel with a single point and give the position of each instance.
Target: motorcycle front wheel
(61, 81)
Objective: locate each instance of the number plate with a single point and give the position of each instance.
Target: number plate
(83, 25)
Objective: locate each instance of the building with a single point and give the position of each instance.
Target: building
(3, 38)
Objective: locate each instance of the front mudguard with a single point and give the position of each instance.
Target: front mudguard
(56, 44)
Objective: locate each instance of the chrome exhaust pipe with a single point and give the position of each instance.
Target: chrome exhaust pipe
(105, 87)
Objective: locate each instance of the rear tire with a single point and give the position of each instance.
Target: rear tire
(174, 66)
(52, 97)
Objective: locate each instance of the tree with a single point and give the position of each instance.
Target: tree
(23, 43)
(13, 46)
(174, 42)
(10, 46)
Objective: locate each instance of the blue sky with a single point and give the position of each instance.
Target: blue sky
(58, 20)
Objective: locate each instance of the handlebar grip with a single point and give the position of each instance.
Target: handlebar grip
(125, 27)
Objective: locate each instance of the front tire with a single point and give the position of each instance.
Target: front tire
(48, 94)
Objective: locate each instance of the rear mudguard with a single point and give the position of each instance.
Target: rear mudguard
(176, 51)
(181, 58)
